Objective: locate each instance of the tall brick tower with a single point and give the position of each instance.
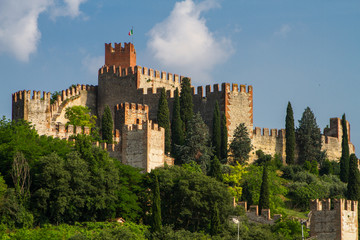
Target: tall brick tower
(120, 56)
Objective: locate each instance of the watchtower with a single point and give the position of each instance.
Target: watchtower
(337, 223)
(120, 56)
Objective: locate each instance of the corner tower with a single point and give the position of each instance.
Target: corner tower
(120, 56)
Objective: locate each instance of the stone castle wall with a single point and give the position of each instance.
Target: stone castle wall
(36, 108)
(337, 223)
(143, 145)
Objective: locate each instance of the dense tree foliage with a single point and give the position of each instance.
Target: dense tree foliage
(107, 125)
(308, 137)
(80, 116)
(216, 133)
(353, 187)
(163, 119)
(224, 140)
(345, 154)
(290, 135)
(196, 145)
(186, 103)
(189, 198)
(215, 169)
(240, 147)
(233, 177)
(177, 128)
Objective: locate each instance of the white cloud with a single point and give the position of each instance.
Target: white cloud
(284, 30)
(19, 32)
(92, 64)
(67, 8)
(183, 42)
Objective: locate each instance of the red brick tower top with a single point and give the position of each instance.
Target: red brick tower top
(120, 56)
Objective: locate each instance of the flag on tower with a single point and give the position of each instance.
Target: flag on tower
(131, 32)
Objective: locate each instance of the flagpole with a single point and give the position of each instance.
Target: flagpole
(132, 36)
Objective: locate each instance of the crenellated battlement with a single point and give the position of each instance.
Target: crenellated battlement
(117, 70)
(264, 132)
(225, 88)
(253, 214)
(63, 131)
(135, 107)
(150, 125)
(338, 204)
(69, 94)
(26, 95)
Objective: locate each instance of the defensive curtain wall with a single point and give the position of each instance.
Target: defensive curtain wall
(140, 87)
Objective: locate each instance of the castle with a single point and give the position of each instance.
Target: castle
(132, 92)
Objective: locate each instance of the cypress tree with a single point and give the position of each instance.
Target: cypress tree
(107, 125)
(353, 187)
(308, 137)
(177, 129)
(215, 220)
(156, 207)
(216, 134)
(224, 140)
(344, 160)
(186, 103)
(215, 169)
(290, 135)
(264, 201)
(163, 119)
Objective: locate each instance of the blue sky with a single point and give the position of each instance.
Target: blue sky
(306, 52)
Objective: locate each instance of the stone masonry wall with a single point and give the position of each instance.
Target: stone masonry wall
(45, 116)
(143, 146)
(270, 143)
(156, 146)
(337, 223)
(33, 108)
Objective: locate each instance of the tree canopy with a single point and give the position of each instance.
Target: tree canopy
(80, 116)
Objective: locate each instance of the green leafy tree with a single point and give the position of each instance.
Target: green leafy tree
(215, 221)
(216, 134)
(233, 178)
(156, 207)
(308, 137)
(80, 116)
(107, 125)
(314, 168)
(186, 103)
(353, 187)
(240, 147)
(177, 128)
(196, 146)
(345, 155)
(215, 169)
(188, 196)
(290, 135)
(224, 140)
(52, 197)
(163, 118)
(264, 200)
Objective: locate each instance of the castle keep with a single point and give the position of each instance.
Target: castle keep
(132, 92)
